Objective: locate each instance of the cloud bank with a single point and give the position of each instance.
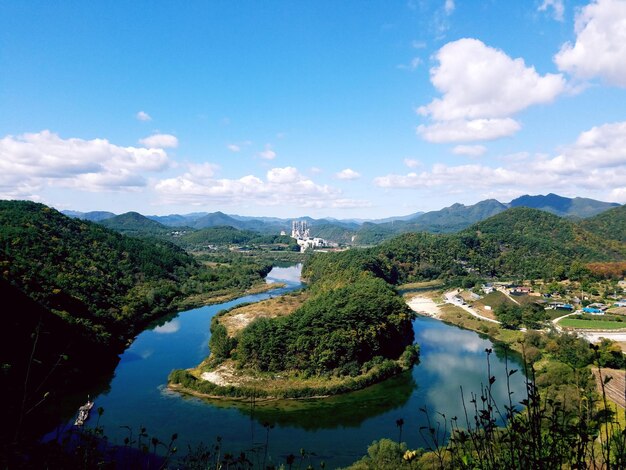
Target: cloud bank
(30, 162)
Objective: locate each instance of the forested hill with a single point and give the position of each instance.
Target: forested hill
(610, 224)
(534, 243)
(133, 223)
(74, 292)
(518, 242)
(85, 273)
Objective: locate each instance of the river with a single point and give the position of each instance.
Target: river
(338, 430)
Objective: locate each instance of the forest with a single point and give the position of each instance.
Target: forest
(74, 293)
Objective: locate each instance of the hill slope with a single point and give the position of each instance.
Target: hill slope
(610, 224)
(519, 242)
(579, 207)
(85, 273)
(133, 223)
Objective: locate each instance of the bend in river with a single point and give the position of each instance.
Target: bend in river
(338, 430)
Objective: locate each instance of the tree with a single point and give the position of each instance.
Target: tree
(509, 315)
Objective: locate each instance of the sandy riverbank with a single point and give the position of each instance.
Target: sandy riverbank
(424, 305)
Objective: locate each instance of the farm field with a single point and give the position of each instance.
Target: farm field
(592, 324)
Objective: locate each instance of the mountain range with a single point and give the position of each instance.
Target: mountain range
(351, 231)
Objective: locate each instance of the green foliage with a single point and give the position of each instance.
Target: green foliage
(135, 224)
(351, 324)
(521, 242)
(220, 343)
(226, 235)
(384, 454)
(510, 315)
(107, 284)
(610, 224)
(89, 275)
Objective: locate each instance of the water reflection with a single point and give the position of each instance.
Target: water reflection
(290, 274)
(347, 411)
(455, 361)
(341, 427)
(168, 328)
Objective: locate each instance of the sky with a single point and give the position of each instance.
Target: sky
(345, 109)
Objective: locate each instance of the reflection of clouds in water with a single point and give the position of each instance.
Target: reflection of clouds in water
(458, 339)
(146, 354)
(290, 274)
(448, 373)
(170, 327)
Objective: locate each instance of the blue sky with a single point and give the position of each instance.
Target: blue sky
(324, 108)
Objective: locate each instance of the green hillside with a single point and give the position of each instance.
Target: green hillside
(86, 273)
(133, 223)
(610, 224)
(74, 292)
(519, 242)
(105, 282)
(227, 235)
(447, 220)
(578, 207)
(533, 243)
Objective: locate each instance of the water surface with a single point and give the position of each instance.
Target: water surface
(338, 430)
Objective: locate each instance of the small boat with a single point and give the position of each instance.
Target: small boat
(83, 413)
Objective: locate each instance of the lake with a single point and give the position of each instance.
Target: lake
(338, 430)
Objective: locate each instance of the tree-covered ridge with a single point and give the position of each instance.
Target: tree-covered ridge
(92, 276)
(133, 223)
(83, 271)
(333, 333)
(519, 242)
(610, 224)
(227, 235)
(578, 207)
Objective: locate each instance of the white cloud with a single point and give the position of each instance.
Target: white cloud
(600, 48)
(412, 163)
(347, 174)
(233, 147)
(478, 81)
(481, 88)
(281, 186)
(469, 150)
(475, 176)
(32, 162)
(159, 141)
(600, 147)
(268, 153)
(618, 195)
(201, 171)
(468, 130)
(594, 165)
(449, 7)
(288, 174)
(143, 116)
(557, 8)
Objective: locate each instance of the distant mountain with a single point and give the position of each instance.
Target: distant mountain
(579, 207)
(609, 224)
(133, 223)
(93, 216)
(368, 232)
(447, 220)
(458, 216)
(403, 218)
(216, 219)
(177, 220)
